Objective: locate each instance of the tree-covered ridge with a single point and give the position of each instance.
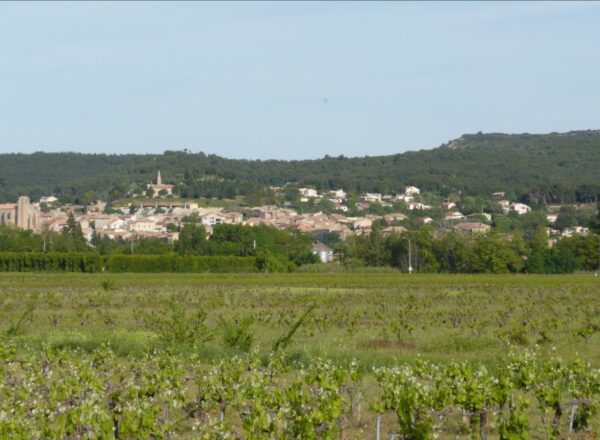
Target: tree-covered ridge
(551, 167)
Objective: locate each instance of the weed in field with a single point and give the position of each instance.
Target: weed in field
(237, 333)
(108, 285)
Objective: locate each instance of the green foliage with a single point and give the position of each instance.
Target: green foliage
(237, 334)
(516, 425)
(177, 263)
(86, 262)
(551, 167)
(192, 240)
(18, 240)
(175, 325)
(108, 285)
(72, 239)
(181, 384)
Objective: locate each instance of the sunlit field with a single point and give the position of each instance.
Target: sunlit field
(298, 355)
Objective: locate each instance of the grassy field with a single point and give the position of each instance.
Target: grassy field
(375, 318)
(378, 320)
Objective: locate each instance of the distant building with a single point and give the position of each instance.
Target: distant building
(499, 195)
(395, 217)
(575, 230)
(308, 192)
(324, 252)
(371, 197)
(159, 187)
(418, 205)
(520, 208)
(8, 214)
(22, 214)
(402, 198)
(474, 227)
(49, 200)
(386, 232)
(411, 191)
(339, 194)
(505, 205)
(454, 215)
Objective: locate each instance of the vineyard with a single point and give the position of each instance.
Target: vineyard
(365, 355)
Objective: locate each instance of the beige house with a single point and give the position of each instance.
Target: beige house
(474, 227)
(386, 232)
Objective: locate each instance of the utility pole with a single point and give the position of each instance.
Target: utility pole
(410, 269)
(598, 273)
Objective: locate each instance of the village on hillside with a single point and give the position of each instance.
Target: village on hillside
(159, 214)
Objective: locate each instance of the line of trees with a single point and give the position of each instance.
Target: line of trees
(426, 250)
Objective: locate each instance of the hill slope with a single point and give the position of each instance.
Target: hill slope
(548, 167)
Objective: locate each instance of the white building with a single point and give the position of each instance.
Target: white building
(455, 215)
(412, 190)
(339, 194)
(212, 219)
(418, 205)
(575, 230)
(324, 252)
(308, 192)
(371, 197)
(520, 208)
(505, 205)
(402, 198)
(48, 200)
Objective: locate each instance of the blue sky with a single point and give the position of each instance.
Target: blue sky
(291, 80)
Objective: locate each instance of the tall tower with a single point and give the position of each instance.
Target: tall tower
(23, 212)
(158, 179)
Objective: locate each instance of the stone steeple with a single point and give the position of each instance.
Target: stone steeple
(158, 179)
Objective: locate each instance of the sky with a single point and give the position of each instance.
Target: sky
(291, 80)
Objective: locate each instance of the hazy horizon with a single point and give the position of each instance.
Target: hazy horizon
(291, 80)
(291, 159)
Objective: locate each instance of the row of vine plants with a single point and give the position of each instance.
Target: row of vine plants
(67, 394)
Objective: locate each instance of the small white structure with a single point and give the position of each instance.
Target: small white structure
(48, 200)
(551, 218)
(308, 192)
(412, 190)
(455, 215)
(575, 230)
(505, 205)
(418, 205)
(371, 197)
(520, 208)
(339, 194)
(324, 252)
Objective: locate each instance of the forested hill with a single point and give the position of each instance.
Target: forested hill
(550, 167)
